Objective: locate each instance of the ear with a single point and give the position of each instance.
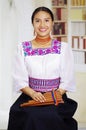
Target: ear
(53, 23)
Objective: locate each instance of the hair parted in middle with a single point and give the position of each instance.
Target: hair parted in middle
(42, 8)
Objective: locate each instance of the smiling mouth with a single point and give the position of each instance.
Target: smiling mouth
(42, 30)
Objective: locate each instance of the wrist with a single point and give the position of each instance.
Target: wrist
(28, 91)
(62, 91)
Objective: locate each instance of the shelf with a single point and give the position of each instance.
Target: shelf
(64, 35)
(79, 50)
(78, 35)
(78, 21)
(77, 7)
(60, 21)
(65, 7)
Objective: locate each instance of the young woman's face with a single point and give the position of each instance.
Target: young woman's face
(42, 24)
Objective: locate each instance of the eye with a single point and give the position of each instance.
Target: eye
(37, 21)
(47, 20)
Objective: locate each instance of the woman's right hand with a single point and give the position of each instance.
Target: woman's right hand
(38, 96)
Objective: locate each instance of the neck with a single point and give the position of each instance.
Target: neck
(42, 40)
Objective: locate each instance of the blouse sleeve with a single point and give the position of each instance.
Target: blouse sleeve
(19, 74)
(67, 68)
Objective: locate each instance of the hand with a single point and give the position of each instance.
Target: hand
(62, 91)
(38, 96)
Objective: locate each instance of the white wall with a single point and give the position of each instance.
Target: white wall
(46, 3)
(5, 66)
(15, 26)
(80, 97)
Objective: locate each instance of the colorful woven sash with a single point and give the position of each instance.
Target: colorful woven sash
(44, 85)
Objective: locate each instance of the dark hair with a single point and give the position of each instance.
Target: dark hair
(42, 9)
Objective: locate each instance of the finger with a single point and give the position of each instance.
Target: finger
(36, 99)
(42, 98)
(39, 97)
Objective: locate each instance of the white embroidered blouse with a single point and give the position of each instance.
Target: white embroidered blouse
(48, 63)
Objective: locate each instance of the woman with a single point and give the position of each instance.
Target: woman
(41, 65)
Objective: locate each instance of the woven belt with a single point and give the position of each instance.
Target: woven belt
(44, 84)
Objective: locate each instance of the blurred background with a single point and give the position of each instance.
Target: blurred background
(15, 27)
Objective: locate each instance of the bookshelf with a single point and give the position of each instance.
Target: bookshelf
(70, 26)
(77, 10)
(60, 11)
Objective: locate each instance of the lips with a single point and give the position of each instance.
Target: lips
(42, 30)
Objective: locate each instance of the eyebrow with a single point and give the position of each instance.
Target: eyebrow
(39, 18)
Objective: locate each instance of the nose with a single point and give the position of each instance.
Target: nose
(42, 24)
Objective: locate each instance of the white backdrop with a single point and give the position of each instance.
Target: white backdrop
(15, 26)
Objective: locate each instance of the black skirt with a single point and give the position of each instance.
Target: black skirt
(49, 117)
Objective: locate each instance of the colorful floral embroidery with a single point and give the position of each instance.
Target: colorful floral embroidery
(28, 50)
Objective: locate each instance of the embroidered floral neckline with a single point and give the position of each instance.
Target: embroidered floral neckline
(29, 51)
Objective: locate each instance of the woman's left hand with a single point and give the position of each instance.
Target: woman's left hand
(62, 91)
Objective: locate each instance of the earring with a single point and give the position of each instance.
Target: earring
(34, 33)
(51, 34)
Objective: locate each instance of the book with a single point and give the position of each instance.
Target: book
(65, 2)
(79, 57)
(81, 43)
(59, 13)
(82, 2)
(66, 28)
(78, 2)
(85, 57)
(54, 2)
(62, 27)
(56, 28)
(61, 2)
(84, 42)
(64, 14)
(55, 13)
(73, 2)
(75, 42)
(84, 14)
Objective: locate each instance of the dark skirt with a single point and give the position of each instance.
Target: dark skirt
(48, 117)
